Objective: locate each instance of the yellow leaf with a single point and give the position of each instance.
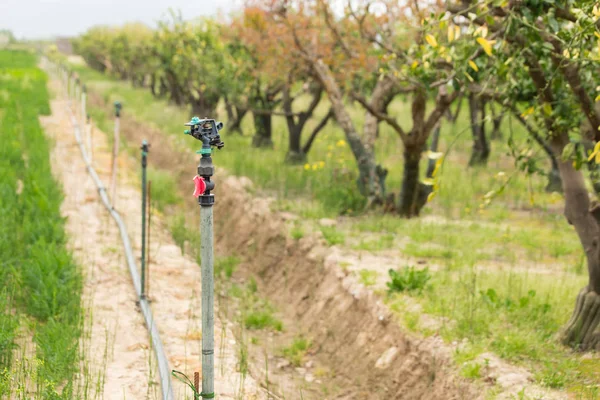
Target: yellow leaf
(597, 98)
(486, 45)
(527, 112)
(473, 65)
(431, 40)
(430, 196)
(598, 158)
(450, 33)
(415, 64)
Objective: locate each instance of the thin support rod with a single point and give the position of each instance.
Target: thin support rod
(208, 334)
(115, 155)
(144, 194)
(148, 245)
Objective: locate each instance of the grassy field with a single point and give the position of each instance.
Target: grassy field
(501, 278)
(40, 285)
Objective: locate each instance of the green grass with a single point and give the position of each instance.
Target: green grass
(332, 236)
(296, 351)
(516, 316)
(367, 277)
(256, 312)
(226, 266)
(164, 188)
(40, 285)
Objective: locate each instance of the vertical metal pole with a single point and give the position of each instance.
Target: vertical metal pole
(206, 254)
(148, 245)
(144, 164)
(90, 137)
(83, 101)
(115, 153)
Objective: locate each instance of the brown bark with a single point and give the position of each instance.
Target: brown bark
(263, 130)
(583, 329)
(371, 181)
(382, 95)
(296, 123)
(481, 148)
(413, 194)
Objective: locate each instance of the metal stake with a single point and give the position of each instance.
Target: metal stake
(144, 164)
(207, 131)
(90, 137)
(115, 153)
(83, 104)
(148, 245)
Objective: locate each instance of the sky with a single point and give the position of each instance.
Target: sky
(41, 19)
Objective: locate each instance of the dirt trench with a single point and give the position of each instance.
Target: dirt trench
(353, 335)
(118, 349)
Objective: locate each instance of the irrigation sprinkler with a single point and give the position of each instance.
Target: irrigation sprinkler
(115, 153)
(144, 148)
(207, 131)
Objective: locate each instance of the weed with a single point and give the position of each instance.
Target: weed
(408, 279)
(297, 232)
(261, 319)
(367, 277)
(226, 266)
(296, 351)
(332, 235)
(471, 370)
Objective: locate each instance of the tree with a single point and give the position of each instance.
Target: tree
(191, 61)
(552, 49)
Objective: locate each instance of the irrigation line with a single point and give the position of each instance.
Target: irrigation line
(163, 363)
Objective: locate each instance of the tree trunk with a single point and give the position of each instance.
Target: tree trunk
(481, 148)
(236, 124)
(263, 130)
(315, 132)
(583, 329)
(433, 148)
(295, 155)
(496, 122)
(153, 85)
(413, 193)
(371, 180)
(554, 181)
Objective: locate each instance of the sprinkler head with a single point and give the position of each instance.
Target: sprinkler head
(118, 107)
(205, 130)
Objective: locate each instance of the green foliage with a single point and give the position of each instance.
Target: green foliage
(261, 319)
(226, 266)
(408, 279)
(38, 276)
(332, 235)
(164, 188)
(296, 351)
(367, 277)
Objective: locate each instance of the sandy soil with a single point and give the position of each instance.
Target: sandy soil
(119, 345)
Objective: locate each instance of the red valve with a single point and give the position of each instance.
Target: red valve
(199, 186)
